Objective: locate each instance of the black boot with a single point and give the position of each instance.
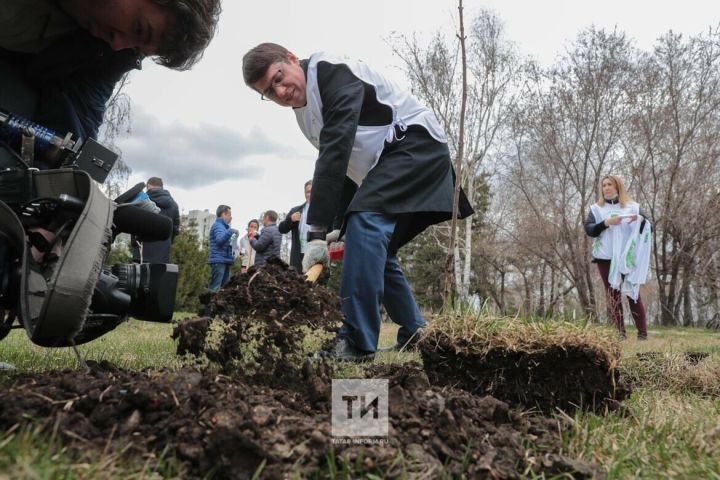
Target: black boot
(345, 350)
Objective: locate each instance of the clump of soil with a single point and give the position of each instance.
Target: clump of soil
(261, 322)
(529, 373)
(221, 425)
(190, 334)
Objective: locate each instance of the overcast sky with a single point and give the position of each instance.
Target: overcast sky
(214, 142)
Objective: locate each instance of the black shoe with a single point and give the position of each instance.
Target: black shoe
(409, 346)
(345, 350)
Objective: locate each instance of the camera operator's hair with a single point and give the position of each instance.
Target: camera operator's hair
(155, 182)
(192, 27)
(271, 215)
(221, 209)
(258, 60)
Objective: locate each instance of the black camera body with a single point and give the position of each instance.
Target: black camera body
(56, 227)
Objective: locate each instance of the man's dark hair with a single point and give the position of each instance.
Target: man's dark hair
(271, 215)
(258, 60)
(155, 182)
(256, 222)
(192, 26)
(221, 209)
(309, 182)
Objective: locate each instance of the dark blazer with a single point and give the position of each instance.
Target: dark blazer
(287, 226)
(413, 179)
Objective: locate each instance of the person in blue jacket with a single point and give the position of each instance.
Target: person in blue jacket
(221, 255)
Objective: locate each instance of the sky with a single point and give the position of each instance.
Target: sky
(214, 142)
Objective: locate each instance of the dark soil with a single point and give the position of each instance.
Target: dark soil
(567, 379)
(264, 317)
(224, 426)
(269, 409)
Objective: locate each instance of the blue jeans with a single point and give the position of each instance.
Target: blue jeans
(219, 276)
(371, 277)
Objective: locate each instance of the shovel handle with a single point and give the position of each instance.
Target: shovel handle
(314, 273)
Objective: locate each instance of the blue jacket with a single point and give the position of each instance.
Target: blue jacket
(268, 245)
(220, 245)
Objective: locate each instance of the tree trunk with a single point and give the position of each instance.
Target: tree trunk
(450, 262)
(467, 257)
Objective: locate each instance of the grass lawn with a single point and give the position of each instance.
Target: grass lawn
(669, 429)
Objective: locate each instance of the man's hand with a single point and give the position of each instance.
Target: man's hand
(333, 236)
(316, 251)
(295, 217)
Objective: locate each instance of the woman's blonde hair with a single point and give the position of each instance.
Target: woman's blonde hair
(623, 195)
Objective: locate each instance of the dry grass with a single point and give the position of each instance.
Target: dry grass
(673, 372)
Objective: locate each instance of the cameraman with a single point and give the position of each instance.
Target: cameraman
(61, 59)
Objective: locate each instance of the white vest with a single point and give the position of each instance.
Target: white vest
(369, 140)
(615, 237)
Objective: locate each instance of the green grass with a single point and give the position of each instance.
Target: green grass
(133, 345)
(29, 454)
(664, 432)
(661, 435)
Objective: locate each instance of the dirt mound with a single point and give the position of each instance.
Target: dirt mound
(566, 377)
(220, 425)
(262, 321)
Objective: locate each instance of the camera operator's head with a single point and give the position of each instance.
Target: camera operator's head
(174, 32)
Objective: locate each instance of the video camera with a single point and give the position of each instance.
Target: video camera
(56, 228)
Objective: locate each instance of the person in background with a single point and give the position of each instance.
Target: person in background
(246, 250)
(612, 221)
(221, 257)
(296, 222)
(270, 240)
(159, 252)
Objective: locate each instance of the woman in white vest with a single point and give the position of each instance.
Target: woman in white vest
(615, 221)
(383, 174)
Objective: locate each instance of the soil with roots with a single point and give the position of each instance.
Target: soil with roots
(566, 378)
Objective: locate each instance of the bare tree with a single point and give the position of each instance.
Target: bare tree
(116, 123)
(675, 151)
(491, 80)
(567, 135)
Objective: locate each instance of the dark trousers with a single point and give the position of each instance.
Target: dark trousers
(372, 276)
(614, 304)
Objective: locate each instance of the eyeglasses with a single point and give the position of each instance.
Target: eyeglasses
(269, 93)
